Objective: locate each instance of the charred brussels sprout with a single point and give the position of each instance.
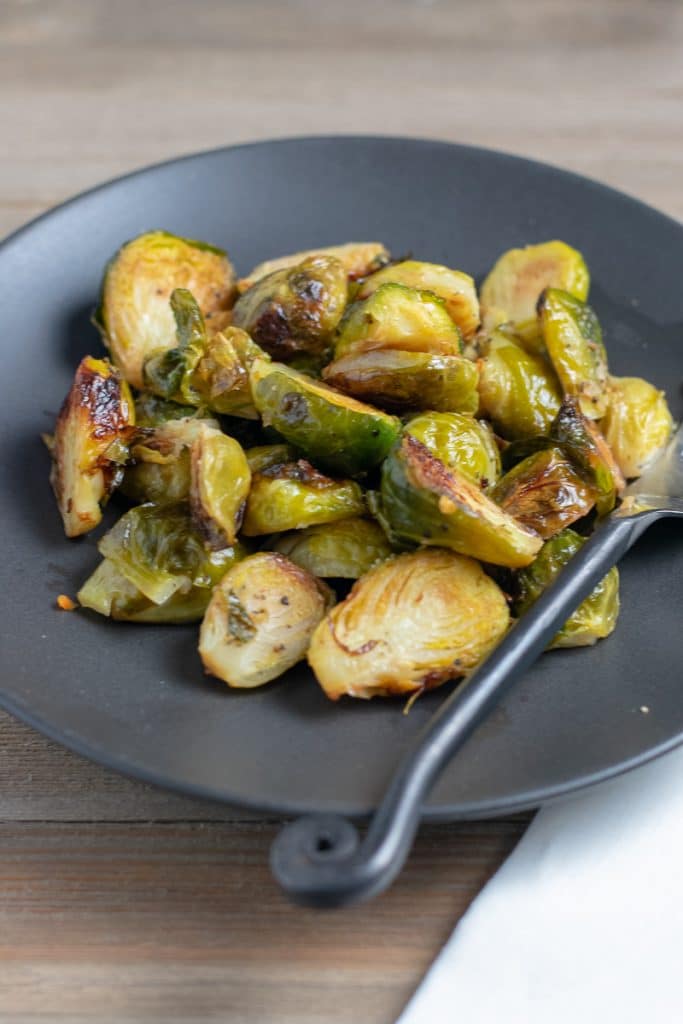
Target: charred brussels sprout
(455, 288)
(584, 445)
(407, 380)
(637, 424)
(343, 550)
(573, 340)
(294, 495)
(518, 392)
(209, 370)
(461, 443)
(595, 618)
(340, 433)
(410, 624)
(90, 445)
(397, 317)
(512, 289)
(260, 620)
(161, 555)
(109, 592)
(220, 480)
(134, 314)
(357, 258)
(426, 503)
(160, 467)
(296, 309)
(544, 492)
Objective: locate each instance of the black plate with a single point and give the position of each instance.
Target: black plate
(134, 697)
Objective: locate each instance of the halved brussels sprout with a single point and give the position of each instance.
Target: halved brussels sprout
(340, 433)
(518, 391)
(294, 495)
(260, 620)
(573, 340)
(296, 309)
(407, 380)
(460, 442)
(343, 550)
(457, 290)
(544, 492)
(108, 592)
(595, 618)
(210, 370)
(152, 411)
(220, 480)
(158, 549)
(358, 259)
(426, 503)
(637, 424)
(528, 335)
(160, 466)
(410, 624)
(90, 444)
(513, 287)
(395, 316)
(134, 315)
(264, 456)
(584, 445)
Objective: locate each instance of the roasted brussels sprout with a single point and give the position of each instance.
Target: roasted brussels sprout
(410, 624)
(343, 550)
(220, 480)
(264, 456)
(90, 444)
(160, 466)
(573, 340)
(358, 259)
(134, 315)
(513, 287)
(260, 620)
(296, 309)
(455, 288)
(584, 445)
(152, 411)
(518, 392)
(340, 433)
(294, 495)
(395, 316)
(637, 424)
(210, 370)
(426, 503)
(108, 592)
(407, 380)
(160, 552)
(544, 492)
(528, 335)
(461, 443)
(595, 618)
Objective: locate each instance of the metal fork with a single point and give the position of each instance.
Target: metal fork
(319, 860)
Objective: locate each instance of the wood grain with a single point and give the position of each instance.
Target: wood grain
(92, 89)
(123, 903)
(182, 922)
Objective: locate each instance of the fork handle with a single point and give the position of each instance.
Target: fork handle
(320, 861)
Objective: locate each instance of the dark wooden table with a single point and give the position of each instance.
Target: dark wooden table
(119, 902)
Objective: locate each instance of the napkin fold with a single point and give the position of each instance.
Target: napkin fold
(583, 922)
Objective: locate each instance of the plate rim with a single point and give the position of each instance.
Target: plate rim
(482, 151)
(474, 810)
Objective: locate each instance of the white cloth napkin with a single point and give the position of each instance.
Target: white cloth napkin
(584, 921)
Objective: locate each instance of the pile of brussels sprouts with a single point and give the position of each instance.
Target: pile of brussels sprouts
(338, 415)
